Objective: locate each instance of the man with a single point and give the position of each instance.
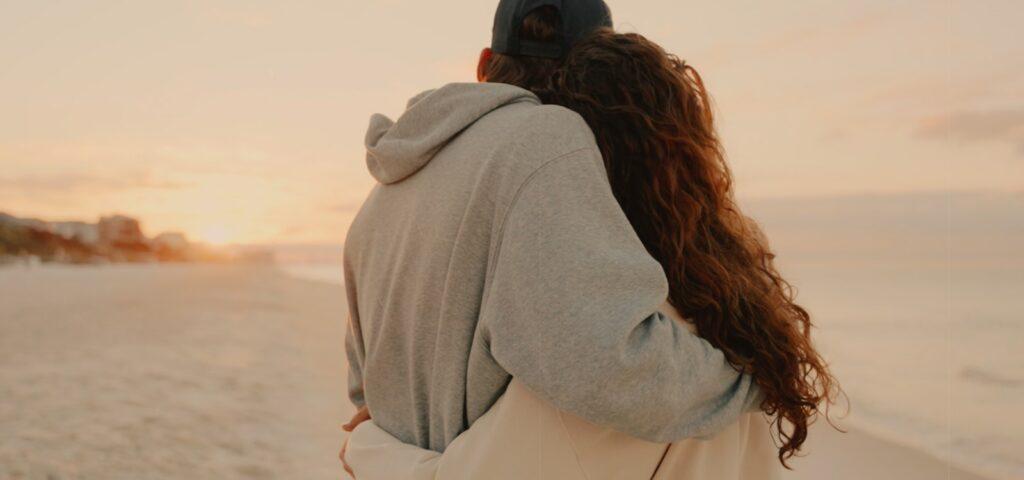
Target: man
(492, 247)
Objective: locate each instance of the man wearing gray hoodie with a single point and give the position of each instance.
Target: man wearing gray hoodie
(493, 247)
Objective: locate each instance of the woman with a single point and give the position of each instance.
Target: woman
(652, 120)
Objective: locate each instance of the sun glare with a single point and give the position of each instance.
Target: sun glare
(215, 235)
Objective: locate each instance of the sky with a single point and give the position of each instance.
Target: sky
(243, 121)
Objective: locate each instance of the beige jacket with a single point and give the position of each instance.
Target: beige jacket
(525, 437)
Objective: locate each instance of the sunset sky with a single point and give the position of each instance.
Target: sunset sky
(242, 121)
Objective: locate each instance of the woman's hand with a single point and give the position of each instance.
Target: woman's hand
(362, 415)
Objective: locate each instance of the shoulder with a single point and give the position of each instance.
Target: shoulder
(554, 128)
(526, 138)
(531, 136)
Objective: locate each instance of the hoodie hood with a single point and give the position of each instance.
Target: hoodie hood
(397, 149)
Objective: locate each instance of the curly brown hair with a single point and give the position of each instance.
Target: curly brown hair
(652, 118)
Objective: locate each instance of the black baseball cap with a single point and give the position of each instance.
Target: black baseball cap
(579, 18)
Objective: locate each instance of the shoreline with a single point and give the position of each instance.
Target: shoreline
(226, 371)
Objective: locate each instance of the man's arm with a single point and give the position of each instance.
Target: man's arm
(571, 310)
(353, 351)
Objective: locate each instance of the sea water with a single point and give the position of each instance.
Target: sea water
(919, 306)
(930, 356)
(329, 273)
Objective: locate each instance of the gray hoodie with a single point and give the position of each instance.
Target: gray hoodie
(492, 247)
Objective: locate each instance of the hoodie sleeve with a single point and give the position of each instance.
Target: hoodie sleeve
(571, 310)
(355, 350)
(355, 367)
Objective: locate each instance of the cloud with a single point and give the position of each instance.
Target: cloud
(87, 182)
(1005, 126)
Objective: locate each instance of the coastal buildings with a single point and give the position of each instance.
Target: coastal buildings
(120, 230)
(171, 241)
(112, 239)
(87, 233)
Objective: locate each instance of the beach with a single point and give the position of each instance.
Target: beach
(856, 455)
(170, 372)
(224, 372)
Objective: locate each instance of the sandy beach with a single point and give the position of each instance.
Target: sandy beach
(856, 455)
(222, 372)
(169, 373)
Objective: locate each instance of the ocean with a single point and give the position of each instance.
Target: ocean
(918, 302)
(919, 306)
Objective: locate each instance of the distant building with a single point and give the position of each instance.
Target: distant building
(171, 241)
(172, 247)
(86, 233)
(120, 230)
(32, 223)
(115, 239)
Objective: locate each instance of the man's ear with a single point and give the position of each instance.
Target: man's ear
(481, 66)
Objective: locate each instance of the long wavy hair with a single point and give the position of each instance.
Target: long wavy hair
(653, 121)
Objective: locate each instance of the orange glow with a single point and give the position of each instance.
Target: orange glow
(217, 235)
(249, 125)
